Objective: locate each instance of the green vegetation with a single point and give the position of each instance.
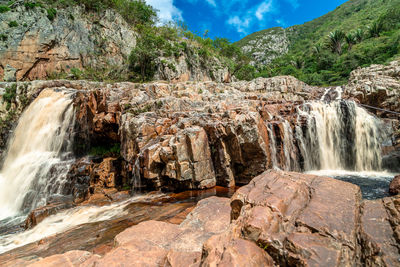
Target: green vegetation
(32, 5)
(324, 51)
(105, 151)
(135, 12)
(3, 37)
(51, 13)
(10, 95)
(173, 40)
(13, 23)
(4, 9)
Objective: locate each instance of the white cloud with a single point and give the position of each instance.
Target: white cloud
(245, 19)
(212, 2)
(241, 25)
(281, 22)
(264, 8)
(295, 3)
(166, 10)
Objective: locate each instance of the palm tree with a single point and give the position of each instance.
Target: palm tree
(375, 29)
(298, 62)
(317, 49)
(335, 40)
(359, 35)
(350, 40)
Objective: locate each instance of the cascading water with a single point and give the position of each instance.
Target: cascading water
(340, 136)
(272, 147)
(37, 156)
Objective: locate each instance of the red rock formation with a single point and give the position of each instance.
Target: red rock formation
(278, 219)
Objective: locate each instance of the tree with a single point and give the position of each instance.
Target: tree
(350, 40)
(317, 49)
(359, 35)
(335, 40)
(375, 29)
(148, 48)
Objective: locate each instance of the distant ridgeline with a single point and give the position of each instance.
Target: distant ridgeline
(324, 51)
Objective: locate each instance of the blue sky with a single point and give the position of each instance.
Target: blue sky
(235, 19)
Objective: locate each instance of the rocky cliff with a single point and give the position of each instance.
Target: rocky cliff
(264, 46)
(35, 45)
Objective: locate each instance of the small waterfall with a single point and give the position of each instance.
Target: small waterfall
(291, 161)
(339, 136)
(37, 157)
(136, 180)
(272, 147)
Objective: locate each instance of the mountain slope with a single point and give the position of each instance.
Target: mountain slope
(308, 56)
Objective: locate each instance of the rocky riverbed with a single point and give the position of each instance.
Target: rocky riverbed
(279, 218)
(195, 136)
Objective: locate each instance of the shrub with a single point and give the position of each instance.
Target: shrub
(3, 37)
(246, 72)
(51, 13)
(76, 73)
(13, 23)
(4, 9)
(375, 29)
(32, 5)
(110, 150)
(10, 95)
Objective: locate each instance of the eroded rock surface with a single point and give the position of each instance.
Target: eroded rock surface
(278, 219)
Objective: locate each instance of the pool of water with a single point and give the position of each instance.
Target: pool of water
(374, 185)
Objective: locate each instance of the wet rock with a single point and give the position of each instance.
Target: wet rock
(155, 243)
(41, 213)
(394, 187)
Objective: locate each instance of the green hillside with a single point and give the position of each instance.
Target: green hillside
(364, 32)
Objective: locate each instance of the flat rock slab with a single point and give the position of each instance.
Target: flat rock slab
(279, 219)
(307, 220)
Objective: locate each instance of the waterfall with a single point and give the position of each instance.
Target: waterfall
(291, 161)
(272, 147)
(339, 136)
(36, 163)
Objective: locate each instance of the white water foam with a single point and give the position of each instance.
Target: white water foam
(68, 219)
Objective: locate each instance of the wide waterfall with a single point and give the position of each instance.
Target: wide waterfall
(37, 158)
(339, 136)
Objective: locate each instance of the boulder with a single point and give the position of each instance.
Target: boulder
(394, 187)
(41, 213)
(154, 243)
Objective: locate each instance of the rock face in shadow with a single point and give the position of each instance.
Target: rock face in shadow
(394, 187)
(278, 219)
